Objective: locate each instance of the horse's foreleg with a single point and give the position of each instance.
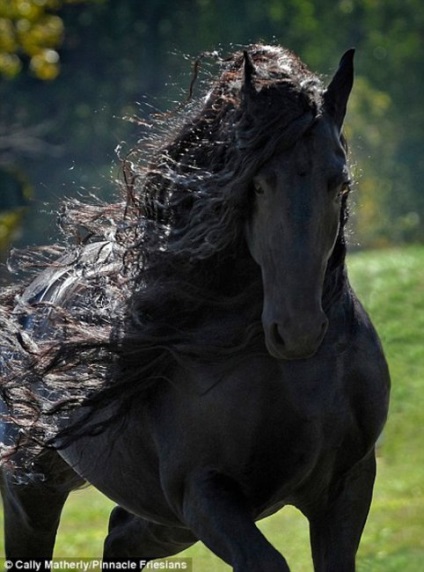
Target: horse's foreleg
(336, 527)
(31, 517)
(217, 512)
(32, 509)
(131, 536)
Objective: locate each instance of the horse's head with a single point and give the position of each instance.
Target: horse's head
(295, 221)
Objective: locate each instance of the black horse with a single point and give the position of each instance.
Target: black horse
(198, 355)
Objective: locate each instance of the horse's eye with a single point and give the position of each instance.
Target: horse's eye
(340, 190)
(258, 188)
(344, 189)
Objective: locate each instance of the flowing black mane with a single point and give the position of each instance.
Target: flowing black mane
(132, 296)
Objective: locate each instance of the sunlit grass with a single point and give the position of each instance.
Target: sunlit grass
(391, 286)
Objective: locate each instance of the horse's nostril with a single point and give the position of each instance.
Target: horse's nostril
(276, 336)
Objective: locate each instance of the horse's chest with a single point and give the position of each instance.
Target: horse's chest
(257, 420)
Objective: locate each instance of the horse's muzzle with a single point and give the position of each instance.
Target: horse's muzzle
(296, 340)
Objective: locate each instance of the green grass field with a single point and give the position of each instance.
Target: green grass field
(391, 285)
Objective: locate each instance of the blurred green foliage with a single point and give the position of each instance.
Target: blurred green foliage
(31, 29)
(115, 55)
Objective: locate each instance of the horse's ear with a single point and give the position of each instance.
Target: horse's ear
(337, 93)
(248, 88)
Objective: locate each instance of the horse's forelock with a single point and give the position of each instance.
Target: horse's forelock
(216, 149)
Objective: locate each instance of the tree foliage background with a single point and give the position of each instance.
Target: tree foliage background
(71, 71)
